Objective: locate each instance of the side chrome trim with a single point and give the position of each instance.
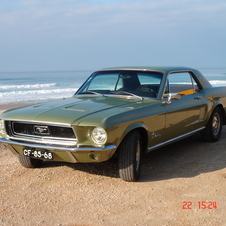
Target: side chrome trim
(175, 139)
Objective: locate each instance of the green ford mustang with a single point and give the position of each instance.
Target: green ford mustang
(124, 112)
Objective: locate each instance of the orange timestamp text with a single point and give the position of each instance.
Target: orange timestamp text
(199, 205)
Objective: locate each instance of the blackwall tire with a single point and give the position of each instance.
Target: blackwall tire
(130, 156)
(29, 162)
(213, 129)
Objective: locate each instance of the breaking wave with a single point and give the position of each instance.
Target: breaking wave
(218, 82)
(35, 95)
(35, 86)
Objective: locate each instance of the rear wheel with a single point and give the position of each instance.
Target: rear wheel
(212, 132)
(130, 155)
(29, 162)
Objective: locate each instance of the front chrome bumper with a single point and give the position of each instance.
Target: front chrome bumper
(70, 151)
(51, 148)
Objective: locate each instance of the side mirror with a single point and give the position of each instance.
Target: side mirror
(172, 96)
(175, 96)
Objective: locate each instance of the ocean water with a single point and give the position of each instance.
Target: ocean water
(32, 87)
(216, 76)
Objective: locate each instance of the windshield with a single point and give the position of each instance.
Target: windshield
(144, 84)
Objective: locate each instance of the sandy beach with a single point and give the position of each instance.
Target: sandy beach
(181, 184)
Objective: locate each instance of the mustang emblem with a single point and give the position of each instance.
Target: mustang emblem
(43, 130)
(154, 135)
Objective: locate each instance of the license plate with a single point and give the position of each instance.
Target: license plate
(38, 154)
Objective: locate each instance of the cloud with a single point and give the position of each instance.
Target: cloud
(83, 29)
(90, 17)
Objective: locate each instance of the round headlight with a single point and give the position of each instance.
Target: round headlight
(99, 135)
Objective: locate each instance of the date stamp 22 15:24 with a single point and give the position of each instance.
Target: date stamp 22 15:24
(199, 205)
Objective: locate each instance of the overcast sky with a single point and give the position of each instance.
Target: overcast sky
(44, 35)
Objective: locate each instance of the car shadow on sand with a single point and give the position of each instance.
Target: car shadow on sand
(186, 158)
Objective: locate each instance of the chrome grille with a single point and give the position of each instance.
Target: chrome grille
(31, 129)
(41, 133)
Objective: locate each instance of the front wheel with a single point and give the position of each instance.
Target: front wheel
(130, 153)
(29, 162)
(212, 132)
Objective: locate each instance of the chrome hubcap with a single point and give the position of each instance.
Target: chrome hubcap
(216, 124)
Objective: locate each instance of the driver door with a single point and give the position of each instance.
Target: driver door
(183, 115)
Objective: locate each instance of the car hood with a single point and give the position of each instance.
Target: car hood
(76, 109)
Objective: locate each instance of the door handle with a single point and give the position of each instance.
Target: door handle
(198, 98)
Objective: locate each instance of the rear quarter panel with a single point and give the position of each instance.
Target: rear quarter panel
(213, 97)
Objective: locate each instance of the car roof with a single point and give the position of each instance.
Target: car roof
(163, 69)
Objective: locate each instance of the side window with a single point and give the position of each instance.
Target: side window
(149, 84)
(182, 83)
(149, 78)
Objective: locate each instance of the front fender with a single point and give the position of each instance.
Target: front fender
(140, 126)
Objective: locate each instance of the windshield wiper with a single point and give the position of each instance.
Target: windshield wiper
(126, 93)
(91, 92)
